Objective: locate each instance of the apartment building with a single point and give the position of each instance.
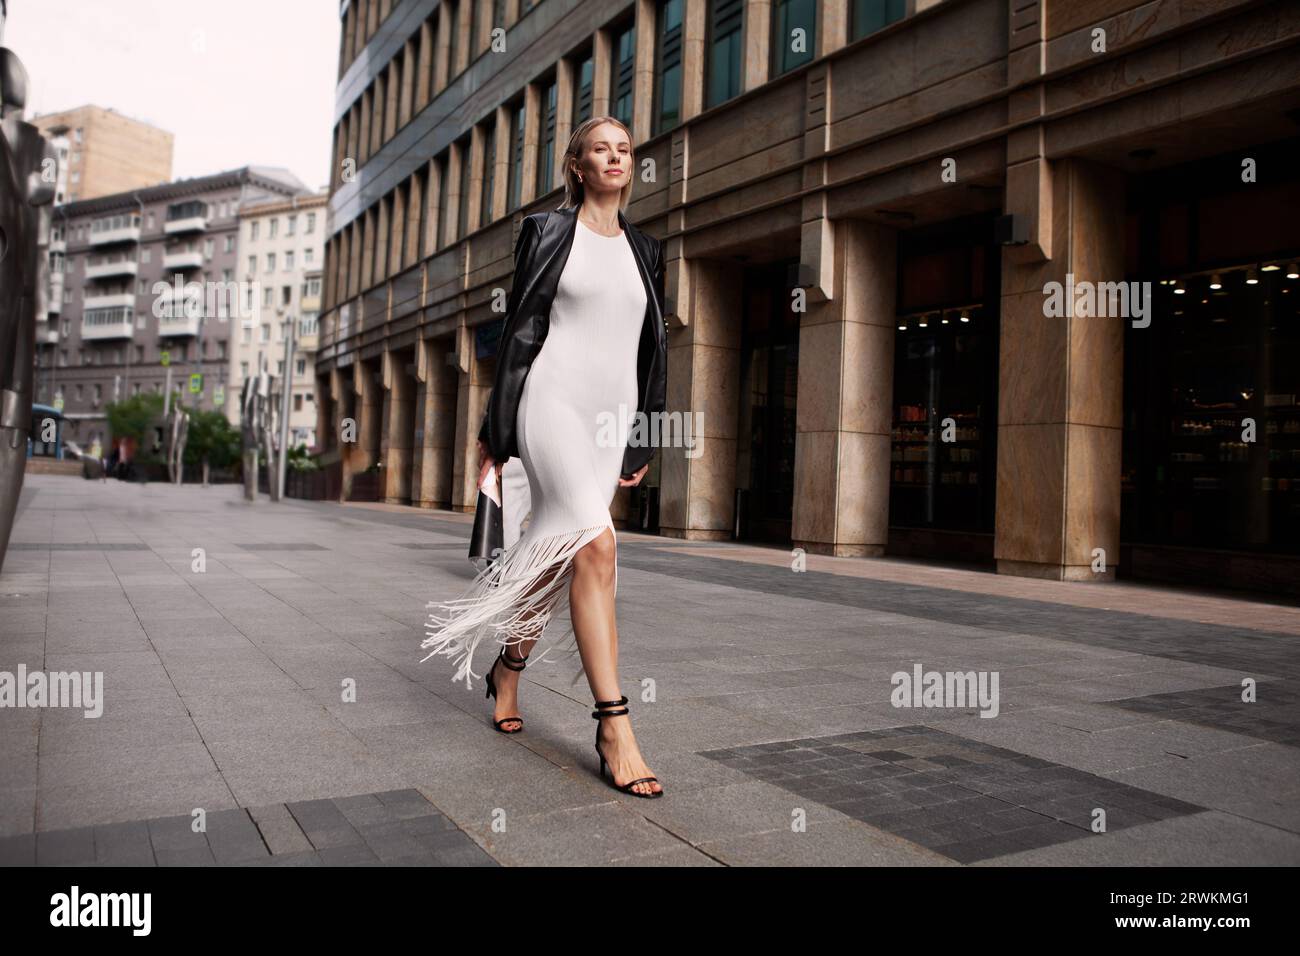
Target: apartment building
(869, 208)
(119, 326)
(107, 152)
(281, 252)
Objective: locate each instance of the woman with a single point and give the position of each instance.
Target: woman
(584, 351)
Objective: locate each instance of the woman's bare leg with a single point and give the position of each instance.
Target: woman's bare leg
(591, 607)
(506, 679)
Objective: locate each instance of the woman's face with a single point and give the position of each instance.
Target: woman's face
(605, 163)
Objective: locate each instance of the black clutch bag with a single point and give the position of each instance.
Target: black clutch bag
(487, 540)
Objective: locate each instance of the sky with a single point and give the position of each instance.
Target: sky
(237, 82)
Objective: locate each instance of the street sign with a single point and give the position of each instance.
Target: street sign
(219, 395)
(196, 382)
(58, 403)
(165, 358)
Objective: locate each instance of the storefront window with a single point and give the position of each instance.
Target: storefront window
(1212, 422)
(1212, 384)
(943, 460)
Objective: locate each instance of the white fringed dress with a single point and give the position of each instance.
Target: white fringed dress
(576, 409)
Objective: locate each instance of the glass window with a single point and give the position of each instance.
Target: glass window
(794, 34)
(621, 83)
(668, 75)
(546, 148)
(724, 50)
(516, 158)
(462, 219)
(489, 171)
(868, 16)
(582, 85)
(443, 190)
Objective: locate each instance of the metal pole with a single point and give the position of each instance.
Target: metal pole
(286, 385)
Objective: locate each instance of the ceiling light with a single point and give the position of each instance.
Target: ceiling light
(1291, 272)
(1216, 282)
(1252, 278)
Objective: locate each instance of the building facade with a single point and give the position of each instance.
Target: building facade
(282, 246)
(107, 152)
(126, 264)
(1002, 281)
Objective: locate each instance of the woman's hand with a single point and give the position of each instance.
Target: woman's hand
(635, 479)
(485, 461)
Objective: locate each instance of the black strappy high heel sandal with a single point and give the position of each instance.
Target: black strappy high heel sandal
(509, 662)
(627, 787)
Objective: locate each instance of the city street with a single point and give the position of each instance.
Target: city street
(761, 697)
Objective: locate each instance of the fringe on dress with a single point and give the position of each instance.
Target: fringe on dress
(498, 604)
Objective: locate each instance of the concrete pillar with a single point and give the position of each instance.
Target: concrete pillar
(369, 414)
(695, 18)
(399, 427)
(697, 496)
(473, 385)
(643, 72)
(435, 425)
(344, 399)
(755, 44)
(844, 416)
(1061, 386)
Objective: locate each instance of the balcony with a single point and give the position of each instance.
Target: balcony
(54, 301)
(182, 260)
(110, 270)
(176, 227)
(48, 336)
(119, 328)
(104, 237)
(58, 245)
(115, 300)
(178, 325)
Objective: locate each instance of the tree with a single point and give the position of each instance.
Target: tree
(137, 421)
(212, 442)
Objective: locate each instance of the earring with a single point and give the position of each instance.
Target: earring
(579, 178)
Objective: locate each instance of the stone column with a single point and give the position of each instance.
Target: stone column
(435, 432)
(399, 426)
(697, 496)
(844, 417)
(474, 382)
(1061, 386)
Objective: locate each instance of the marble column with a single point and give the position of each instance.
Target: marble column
(1061, 385)
(697, 494)
(844, 414)
(473, 385)
(435, 417)
(399, 427)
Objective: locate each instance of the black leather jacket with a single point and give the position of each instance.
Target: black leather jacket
(541, 252)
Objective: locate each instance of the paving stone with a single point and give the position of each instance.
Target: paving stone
(966, 811)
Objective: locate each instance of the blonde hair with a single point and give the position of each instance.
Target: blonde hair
(573, 188)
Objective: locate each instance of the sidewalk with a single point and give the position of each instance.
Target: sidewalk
(761, 698)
